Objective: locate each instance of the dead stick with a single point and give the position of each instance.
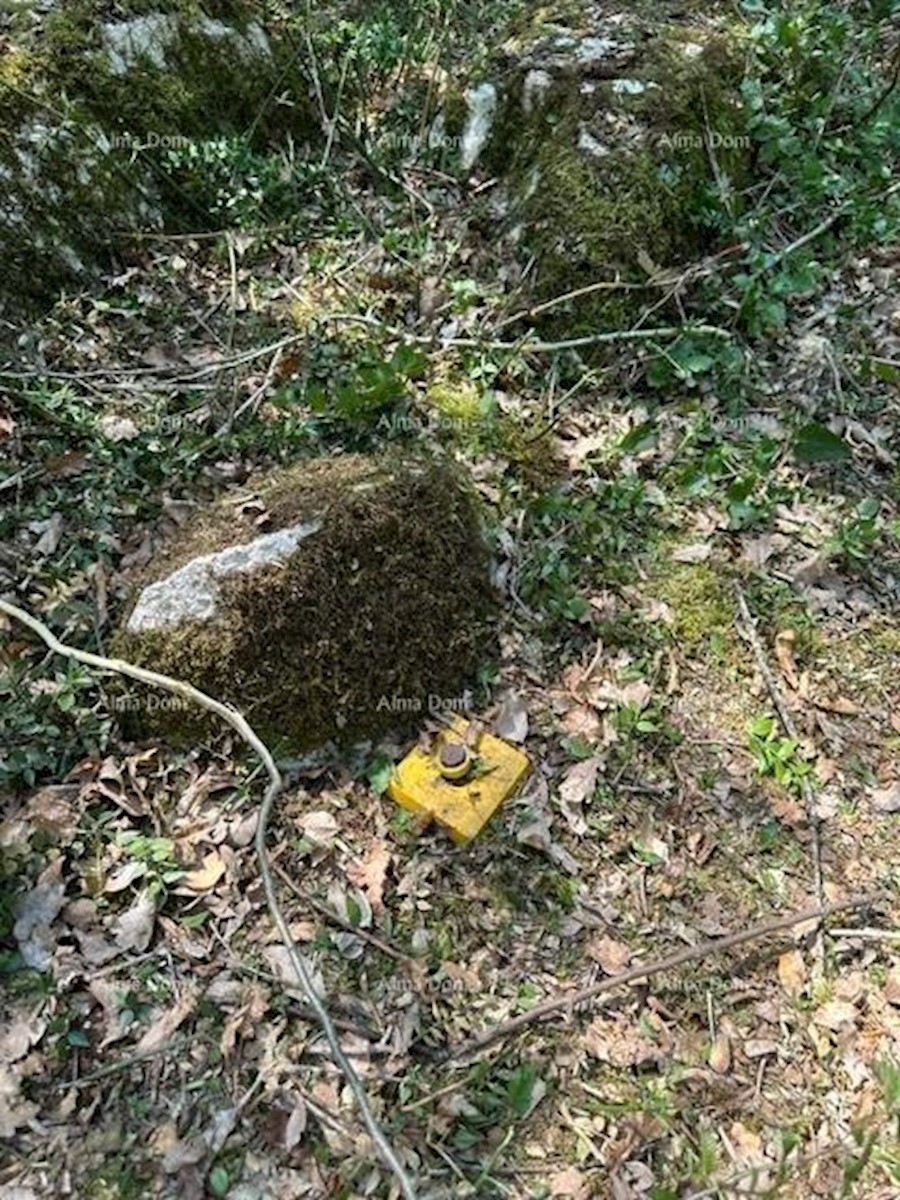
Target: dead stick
(364, 935)
(570, 1000)
(790, 728)
(239, 723)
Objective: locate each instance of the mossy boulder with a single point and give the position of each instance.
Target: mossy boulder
(620, 140)
(92, 108)
(340, 599)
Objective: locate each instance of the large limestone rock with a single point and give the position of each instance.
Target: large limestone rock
(93, 100)
(618, 134)
(341, 598)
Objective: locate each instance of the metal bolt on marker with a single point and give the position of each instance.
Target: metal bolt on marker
(454, 760)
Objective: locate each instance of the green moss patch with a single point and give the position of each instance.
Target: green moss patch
(617, 167)
(93, 107)
(376, 621)
(703, 606)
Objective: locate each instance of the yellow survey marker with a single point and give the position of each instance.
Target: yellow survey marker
(461, 780)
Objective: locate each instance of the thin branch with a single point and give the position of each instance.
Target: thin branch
(787, 720)
(603, 285)
(210, 368)
(568, 1001)
(884, 95)
(804, 240)
(591, 339)
(364, 935)
(239, 724)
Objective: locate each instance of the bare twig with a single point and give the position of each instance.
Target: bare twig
(210, 368)
(669, 280)
(592, 339)
(888, 90)
(123, 1064)
(239, 724)
(868, 934)
(603, 285)
(253, 400)
(811, 234)
(364, 935)
(787, 720)
(568, 1001)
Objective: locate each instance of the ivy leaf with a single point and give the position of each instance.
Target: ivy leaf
(641, 437)
(815, 443)
(379, 774)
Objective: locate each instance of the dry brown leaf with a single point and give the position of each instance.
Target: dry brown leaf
(570, 1184)
(836, 1014)
(371, 873)
(784, 652)
(720, 1053)
(160, 1032)
(792, 974)
(207, 875)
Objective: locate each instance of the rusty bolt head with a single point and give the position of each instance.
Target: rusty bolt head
(453, 754)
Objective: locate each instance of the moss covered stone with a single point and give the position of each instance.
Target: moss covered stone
(620, 138)
(92, 101)
(341, 599)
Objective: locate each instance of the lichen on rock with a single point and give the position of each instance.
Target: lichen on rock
(343, 598)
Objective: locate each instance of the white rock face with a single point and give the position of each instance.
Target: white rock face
(192, 592)
(592, 50)
(150, 37)
(153, 36)
(482, 102)
(537, 84)
(629, 87)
